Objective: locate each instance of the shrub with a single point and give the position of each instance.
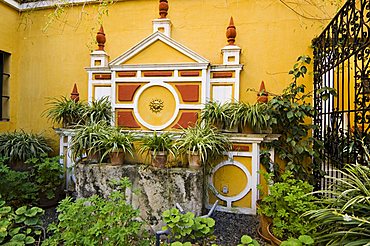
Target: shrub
(98, 221)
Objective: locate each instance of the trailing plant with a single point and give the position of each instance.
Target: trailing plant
(20, 227)
(16, 188)
(157, 142)
(254, 116)
(204, 140)
(98, 221)
(99, 110)
(21, 146)
(345, 218)
(87, 138)
(248, 241)
(289, 116)
(65, 111)
(116, 141)
(47, 174)
(187, 227)
(286, 202)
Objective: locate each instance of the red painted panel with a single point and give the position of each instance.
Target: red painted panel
(189, 93)
(102, 76)
(126, 119)
(240, 148)
(186, 119)
(189, 73)
(126, 92)
(126, 74)
(158, 74)
(222, 75)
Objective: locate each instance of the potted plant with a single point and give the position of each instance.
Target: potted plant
(86, 141)
(287, 201)
(250, 117)
(116, 144)
(202, 143)
(99, 110)
(159, 145)
(65, 111)
(47, 174)
(19, 146)
(217, 114)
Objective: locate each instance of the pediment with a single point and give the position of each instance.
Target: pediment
(158, 49)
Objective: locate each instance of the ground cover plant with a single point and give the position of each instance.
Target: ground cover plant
(98, 221)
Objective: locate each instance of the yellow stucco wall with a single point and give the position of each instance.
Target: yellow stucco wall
(47, 64)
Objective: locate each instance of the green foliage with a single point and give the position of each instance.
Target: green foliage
(116, 140)
(87, 138)
(16, 188)
(285, 204)
(97, 221)
(253, 115)
(65, 111)
(181, 244)
(187, 227)
(248, 241)
(157, 142)
(99, 110)
(301, 241)
(289, 116)
(19, 227)
(345, 218)
(47, 174)
(21, 146)
(205, 140)
(216, 114)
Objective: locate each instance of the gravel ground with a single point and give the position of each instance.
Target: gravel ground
(228, 230)
(231, 227)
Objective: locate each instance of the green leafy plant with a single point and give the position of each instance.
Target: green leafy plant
(247, 240)
(217, 114)
(99, 110)
(300, 241)
(286, 202)
(21, 146)
(254, 116)
(98, 221)
(47, 174)
(204, 140)
(157, 142)
(87, 138)
(65, 111)
(345, 218)
(187, 227)
(20, 227)
(17, 188)
(117, 141)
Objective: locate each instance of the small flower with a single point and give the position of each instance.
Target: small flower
(346, 217)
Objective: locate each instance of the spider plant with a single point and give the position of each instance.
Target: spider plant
(345, 218)
(99, 110)
(116, 143)
(87, 140)
(254, 116)
(65, 111)
(203, 140)
(21, 146)
(216, 114)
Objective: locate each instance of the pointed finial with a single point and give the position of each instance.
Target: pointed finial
(100, 38)
(262, 95)
(163, 8)
(231, 32)
(75, 96)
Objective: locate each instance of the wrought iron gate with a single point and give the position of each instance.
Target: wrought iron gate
(341, 61)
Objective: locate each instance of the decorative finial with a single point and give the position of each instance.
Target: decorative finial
(100, 38)
(75, 96)
(262, 95)
(231, 32)
(163, 8)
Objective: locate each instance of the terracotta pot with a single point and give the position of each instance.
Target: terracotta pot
(160, 159)
(262, 99)
(117, 158)
(194, 160)
(93, 157)
(264, 223)
(247, 130)
(274, 240)
(230, 130)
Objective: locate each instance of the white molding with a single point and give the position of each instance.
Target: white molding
(136, 109)
(13, 4)
(150, 40)
(47, 4)
(170, 79)
(226, 67)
